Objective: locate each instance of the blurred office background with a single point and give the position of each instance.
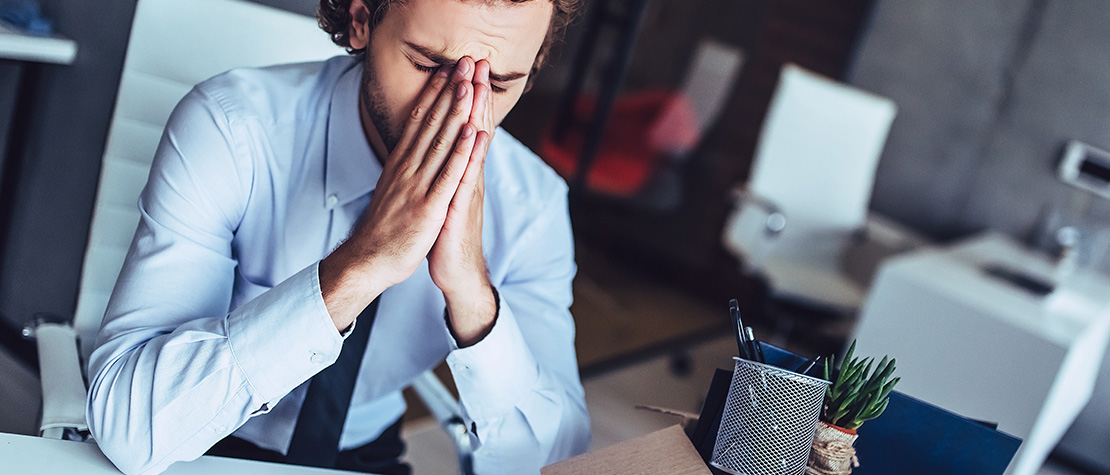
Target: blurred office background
(988, 93)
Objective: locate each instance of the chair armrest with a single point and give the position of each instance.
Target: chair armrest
(447, 411)
(881, 238)
(775, 222)
(63, 387)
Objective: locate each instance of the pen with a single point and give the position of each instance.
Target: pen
(753, 345)
(741, 343)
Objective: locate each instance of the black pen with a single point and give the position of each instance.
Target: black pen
(741, 343)
(753, 345)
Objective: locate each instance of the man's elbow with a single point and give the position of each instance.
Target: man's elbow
(126, 441)
(575, 430)
(130, 454)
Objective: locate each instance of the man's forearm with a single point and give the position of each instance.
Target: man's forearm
(175, 394)
(523, 401)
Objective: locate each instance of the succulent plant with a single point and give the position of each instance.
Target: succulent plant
(856, 394)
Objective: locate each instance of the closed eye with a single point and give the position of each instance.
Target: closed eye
(425, 69)
(431, 69)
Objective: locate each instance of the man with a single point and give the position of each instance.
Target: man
(285, 202)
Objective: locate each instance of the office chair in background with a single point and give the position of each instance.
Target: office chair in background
(647, 136)
(807, 196)
(173, 45)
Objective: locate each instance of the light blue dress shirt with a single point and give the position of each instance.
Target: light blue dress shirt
(217, 321)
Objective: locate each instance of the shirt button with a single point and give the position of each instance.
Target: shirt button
(220, 429)
(317, 358)
(332, 200)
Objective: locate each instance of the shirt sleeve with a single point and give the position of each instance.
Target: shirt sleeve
(519, 386)
(174, 371)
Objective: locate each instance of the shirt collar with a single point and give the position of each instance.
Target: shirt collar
(352, 168)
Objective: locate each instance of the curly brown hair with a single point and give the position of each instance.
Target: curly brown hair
(334, 17)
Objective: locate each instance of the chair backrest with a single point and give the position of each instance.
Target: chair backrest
(710, 78)
(174, 44)
(818, 150)
(703, 95)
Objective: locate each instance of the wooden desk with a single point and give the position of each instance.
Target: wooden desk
(36, 455)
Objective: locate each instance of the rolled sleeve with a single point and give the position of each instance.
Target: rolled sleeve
(289, 324)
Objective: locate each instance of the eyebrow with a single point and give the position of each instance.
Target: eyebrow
(439, 58)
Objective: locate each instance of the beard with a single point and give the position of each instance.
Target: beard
(372, 96)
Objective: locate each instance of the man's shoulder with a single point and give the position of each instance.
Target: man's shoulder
(519, 175)
(275, 93)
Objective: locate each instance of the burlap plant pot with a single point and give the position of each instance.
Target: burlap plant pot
(832, 452)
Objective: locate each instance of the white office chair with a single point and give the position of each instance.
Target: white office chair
(173, 45)
(808, 192)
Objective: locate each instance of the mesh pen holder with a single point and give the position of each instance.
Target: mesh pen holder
(769, 420)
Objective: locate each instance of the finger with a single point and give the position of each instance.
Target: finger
(441, 145)
(490, 124)
(441, 124)
(471, 188)
(486, 144)
(482, 93)
(476, 165)
(481, 102)
(424, 102)
(447, 182)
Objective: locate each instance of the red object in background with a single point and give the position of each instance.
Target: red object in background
(645, 130)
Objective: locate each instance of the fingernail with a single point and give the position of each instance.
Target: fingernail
(463, 67)
(467, 131)
(443, 70)
(462, 91)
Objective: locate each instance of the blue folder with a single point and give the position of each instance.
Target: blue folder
(911, 437)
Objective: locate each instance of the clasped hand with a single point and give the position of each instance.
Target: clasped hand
(427, 204)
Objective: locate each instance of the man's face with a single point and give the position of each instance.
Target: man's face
(417, 36)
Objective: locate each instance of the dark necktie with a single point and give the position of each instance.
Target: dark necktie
(316, 437)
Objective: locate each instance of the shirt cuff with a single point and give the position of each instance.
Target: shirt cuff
(283, 337)
(493, 375)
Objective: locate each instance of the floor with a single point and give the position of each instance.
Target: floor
(618, 312)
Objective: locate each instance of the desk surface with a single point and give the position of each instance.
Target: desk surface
(34, 455)
(40, 49)
(1079, 302)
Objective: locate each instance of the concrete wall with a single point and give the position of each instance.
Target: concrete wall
(55, 152)
(988, 93)
(1060, 92)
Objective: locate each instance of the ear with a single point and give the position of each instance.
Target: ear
(359, 35)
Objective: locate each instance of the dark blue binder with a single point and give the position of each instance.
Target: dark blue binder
(911, 437)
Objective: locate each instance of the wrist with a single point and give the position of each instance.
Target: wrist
(471, 315)
(466, 293)
(347, 287)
